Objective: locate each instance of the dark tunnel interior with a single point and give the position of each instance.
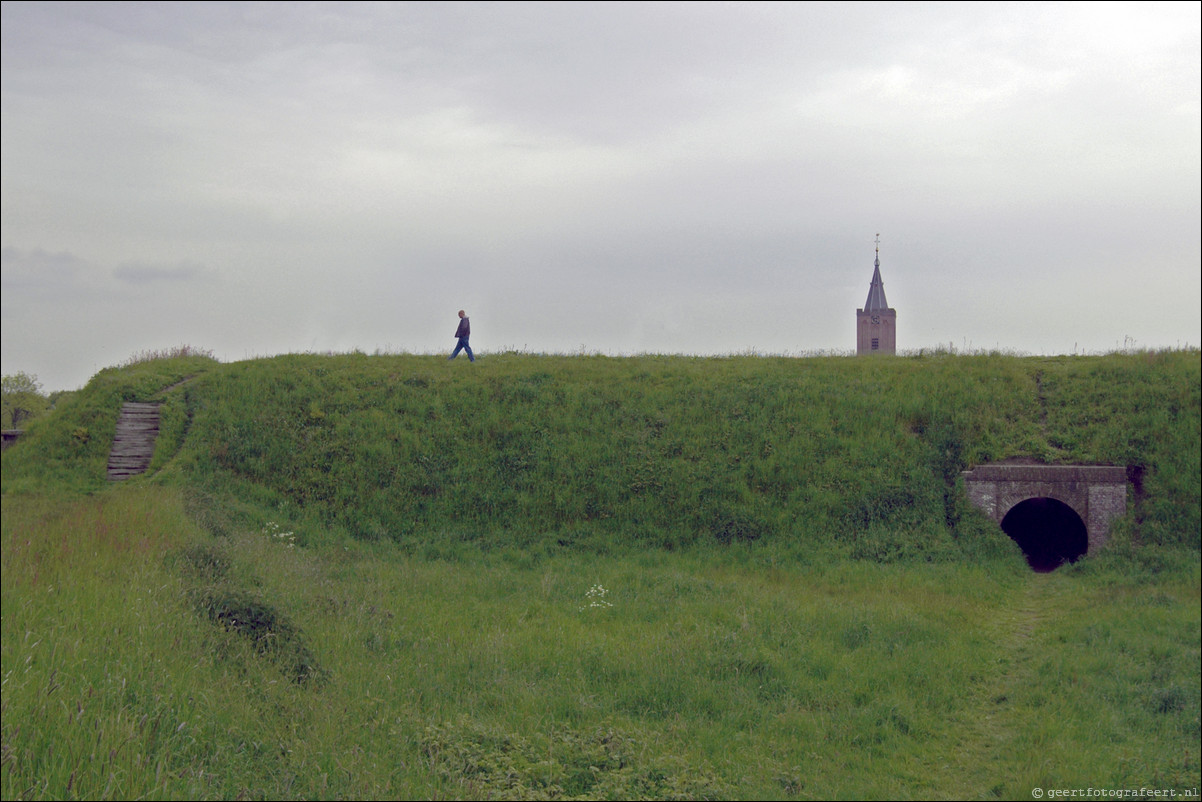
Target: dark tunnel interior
(1049, 532)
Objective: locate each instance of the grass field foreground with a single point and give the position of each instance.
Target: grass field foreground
(686, 677)
(254, 619)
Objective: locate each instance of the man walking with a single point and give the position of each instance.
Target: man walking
(462, 333)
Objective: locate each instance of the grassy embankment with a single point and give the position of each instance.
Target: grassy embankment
(650, 577)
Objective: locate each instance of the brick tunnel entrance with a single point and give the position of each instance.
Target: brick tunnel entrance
(1055, 513)
(1049, 532)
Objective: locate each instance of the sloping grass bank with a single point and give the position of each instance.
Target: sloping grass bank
(542, 577)
(860, 458)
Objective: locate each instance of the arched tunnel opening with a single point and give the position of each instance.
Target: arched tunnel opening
(1049, 532)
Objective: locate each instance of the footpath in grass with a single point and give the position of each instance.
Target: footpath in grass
(980, 757)
(1090, 688)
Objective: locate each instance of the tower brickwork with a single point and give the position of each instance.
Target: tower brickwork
(876, 323)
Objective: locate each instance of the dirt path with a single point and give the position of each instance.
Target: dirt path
(991, 721)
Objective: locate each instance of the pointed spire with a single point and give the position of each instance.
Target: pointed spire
(876, 291)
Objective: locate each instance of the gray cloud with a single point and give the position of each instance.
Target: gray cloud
(702, 178)
(39, 273)
(185, 272)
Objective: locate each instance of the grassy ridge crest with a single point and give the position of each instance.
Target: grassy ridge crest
(606, 453)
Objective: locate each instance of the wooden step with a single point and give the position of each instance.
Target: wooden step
(133, 443)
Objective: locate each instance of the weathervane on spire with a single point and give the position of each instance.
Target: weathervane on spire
(878, 242)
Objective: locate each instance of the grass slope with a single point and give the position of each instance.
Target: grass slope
(597, 453)
(537, 577)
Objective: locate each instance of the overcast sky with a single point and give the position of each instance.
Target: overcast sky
(694, 178)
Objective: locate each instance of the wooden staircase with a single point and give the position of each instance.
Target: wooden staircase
(133, 444)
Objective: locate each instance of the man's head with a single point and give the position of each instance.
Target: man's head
(461, 313)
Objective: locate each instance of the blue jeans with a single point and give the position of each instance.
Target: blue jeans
(462, 346)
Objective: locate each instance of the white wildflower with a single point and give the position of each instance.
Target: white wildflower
(272, 529)
(596, 597)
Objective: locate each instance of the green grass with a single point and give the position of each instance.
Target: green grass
(310, 598)
(595, 452)
(708, 677)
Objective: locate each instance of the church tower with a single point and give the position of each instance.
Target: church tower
(876, 323)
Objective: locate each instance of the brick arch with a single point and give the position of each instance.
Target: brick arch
(1007, 502)
(1096, 493)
